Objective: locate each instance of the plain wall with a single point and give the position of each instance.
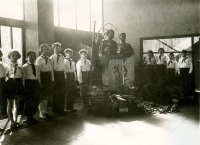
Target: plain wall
(150, 18)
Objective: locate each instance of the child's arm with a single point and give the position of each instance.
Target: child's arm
(79, 73)
(165, 61)
(52, 73)
(24, 70)
(38, 63)
(191, 66)
(178, 67)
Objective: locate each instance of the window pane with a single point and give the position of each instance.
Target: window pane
(12, 9)
(96, 14)
(17, 40)
(5, 42)
(83, 15)
(67, 13)
(55, 4)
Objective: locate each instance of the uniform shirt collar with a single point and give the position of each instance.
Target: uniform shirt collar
(68, 58)
(13, 63)
(57, 54)
(30, 62)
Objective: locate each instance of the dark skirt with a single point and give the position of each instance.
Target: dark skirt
(3, 102)
(161, 70)
(171, 76)
(14, 88)
(150, 73)
(46, 82)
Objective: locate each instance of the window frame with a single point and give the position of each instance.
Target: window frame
(76, 28)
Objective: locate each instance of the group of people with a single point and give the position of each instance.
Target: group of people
(165, 69)
(44, 79)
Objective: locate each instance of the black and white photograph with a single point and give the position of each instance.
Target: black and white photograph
(99, 72)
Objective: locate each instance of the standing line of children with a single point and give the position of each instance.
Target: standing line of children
(167, 68)
(43, 79)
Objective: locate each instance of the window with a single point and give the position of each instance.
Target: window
(12, 9)
(78, 14)
(11, 37)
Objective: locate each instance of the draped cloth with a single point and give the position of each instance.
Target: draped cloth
(112, 74)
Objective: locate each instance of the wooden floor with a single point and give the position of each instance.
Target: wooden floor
(80, 129)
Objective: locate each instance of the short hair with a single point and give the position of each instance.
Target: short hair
(122, 34)
(56, 44)
(82, 51)
(161, 49)
(11, 51)
(68, 50)
(29, 52)
(1, 54)
(171, 53)
(109, 31)
(43, 45)
(150, 51)
(184, 51)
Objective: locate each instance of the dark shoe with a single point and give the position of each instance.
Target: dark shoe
(68, 111)
(47, 115)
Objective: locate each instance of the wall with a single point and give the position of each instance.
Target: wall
(150, 18)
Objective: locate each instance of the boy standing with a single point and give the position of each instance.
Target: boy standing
(31, 83)
(83, 74)
(70, 69)
(171, 69)
(58, 100)
(185, 69)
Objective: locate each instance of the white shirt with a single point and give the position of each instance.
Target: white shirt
(10, 69)
(70, 68)
(43, 66)
(83, 65)
(150, 61)
(57, 65)
(28, 71)
(2, 70)
(185, 63)
(172, 64)
(161, 59)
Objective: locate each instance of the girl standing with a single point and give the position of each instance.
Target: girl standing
(46, 79)
(150, 66)
(161, 66)
(14, 87)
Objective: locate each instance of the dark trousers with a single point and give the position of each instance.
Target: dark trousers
(3, 102)
(32, 98)
(161, 73)
(171, 76)
(150, 73)
(58, 97)
(185, 79)
(84, 88)
(71, 90)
